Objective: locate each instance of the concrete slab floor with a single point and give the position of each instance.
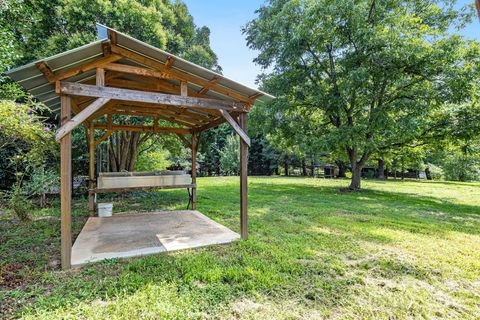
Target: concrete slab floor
(131, 235)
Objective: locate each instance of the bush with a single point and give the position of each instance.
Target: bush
(461, 168)
(229, 156)
(41, 182)
(436, 173)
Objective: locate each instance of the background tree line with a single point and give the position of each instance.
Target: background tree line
(375, 88)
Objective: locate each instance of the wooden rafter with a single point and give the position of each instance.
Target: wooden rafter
(212, 82)
(137, 128)
(78, 89)
(156, 115)
(170, 61)
(124, 68)
(179, 75)
(46, 70)
(212, 124)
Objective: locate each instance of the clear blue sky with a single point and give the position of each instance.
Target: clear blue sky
(225, 18)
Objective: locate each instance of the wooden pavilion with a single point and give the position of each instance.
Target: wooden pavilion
(120, 75)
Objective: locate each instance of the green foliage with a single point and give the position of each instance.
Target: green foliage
(42, 181)
(229, 156)
(461, 167)
(153, 160)
(436, 172)
(45, 27)
(22, 131)
(363, 77)
(22, 128)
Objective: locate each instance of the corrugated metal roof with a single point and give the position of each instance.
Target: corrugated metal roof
(33, 80)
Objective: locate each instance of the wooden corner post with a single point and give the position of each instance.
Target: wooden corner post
(194, 147)
(243, 179)
(66, 185)
(91, 171)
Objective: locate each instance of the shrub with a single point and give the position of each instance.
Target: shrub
(461, 168)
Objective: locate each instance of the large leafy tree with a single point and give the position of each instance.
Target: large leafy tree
(364, 76)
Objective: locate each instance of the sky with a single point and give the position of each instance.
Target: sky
(225, 18)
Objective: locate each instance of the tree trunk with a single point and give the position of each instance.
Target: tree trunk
(312, 167)
(428, 174)
(355, 183)
(304, 168)
(285, 165)
(380, 174)
(123, 150)
(342, 169)
(403, 169)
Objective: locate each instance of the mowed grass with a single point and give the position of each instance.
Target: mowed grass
(393, 251)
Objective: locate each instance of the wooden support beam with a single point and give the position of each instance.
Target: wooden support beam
(100, 77)
(106, 48)
(66, 186)
(80, 117)
(243, 180)
(137, 128)
(46, 70)
(123, 68)
(185, 141)
(85, 67)
(184, 88)
(91, 171)
(243, 135)
(212, 82)
(80, 89)
(170, 61)
(194, 148)
(213, 124)
(156, 115)
(104, 137)
(162, 112)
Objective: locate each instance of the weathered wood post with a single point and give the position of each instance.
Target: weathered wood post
(243, 179)
(195, 137)
(91, 171)
(66, 185)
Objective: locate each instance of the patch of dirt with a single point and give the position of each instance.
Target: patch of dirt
(11, 276)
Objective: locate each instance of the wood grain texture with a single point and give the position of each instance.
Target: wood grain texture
(66, 186)
(78, 89)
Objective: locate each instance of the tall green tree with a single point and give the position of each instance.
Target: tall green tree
(366, 76)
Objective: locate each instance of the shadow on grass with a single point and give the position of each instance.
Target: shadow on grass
(291, 225)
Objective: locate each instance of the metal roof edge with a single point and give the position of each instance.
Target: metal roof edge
(58, 55)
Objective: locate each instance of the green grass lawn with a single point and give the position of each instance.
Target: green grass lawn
(395, 250)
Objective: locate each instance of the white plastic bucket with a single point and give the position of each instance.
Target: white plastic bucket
(105, 209)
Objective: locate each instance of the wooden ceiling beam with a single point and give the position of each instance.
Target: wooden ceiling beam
(78, 89)
(124, 68)
(164, 111)
(138, 128)
(154, 115)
